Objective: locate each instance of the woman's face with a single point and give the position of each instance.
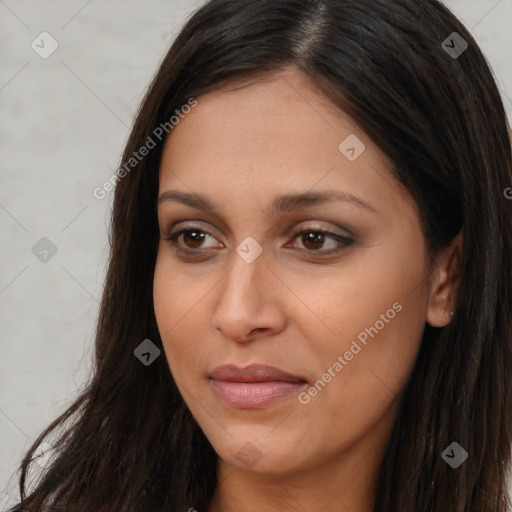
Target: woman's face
(337, 311)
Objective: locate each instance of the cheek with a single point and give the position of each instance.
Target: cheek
(357, 374)
(364, 349)
(175, 296)
(379, 334)
(379, 294)
(179, 303)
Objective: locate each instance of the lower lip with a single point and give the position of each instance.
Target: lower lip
(254, 395)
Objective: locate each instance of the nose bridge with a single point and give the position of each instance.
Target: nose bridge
(244, 303)
(246, 274)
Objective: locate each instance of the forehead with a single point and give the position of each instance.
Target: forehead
(283, 105)
(275, 132)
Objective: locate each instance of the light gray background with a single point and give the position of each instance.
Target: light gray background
(64, 122)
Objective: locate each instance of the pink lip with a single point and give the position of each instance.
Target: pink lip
(253, 387)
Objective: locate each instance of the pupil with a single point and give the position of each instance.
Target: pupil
(197, 238)
(315, 238)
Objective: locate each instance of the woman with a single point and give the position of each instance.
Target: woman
(308, 300)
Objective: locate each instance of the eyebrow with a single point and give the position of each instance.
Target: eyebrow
(280, 205)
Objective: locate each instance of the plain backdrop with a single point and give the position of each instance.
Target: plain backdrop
(65, 119)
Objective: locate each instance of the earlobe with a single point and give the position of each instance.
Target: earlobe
(445, 282)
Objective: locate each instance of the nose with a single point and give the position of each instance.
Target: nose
(250, 302)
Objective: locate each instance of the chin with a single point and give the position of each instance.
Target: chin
(278, 456)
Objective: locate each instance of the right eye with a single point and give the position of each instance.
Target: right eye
(192, 237)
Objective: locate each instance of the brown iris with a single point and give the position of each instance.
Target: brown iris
(196, 237)
(315, 238)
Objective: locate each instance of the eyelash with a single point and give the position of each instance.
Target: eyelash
(344, 240)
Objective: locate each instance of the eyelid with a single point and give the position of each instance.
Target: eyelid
(346, 233)
(187, 226)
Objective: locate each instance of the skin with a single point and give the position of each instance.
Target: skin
(242, 146)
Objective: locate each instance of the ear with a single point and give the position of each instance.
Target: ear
(445, 282)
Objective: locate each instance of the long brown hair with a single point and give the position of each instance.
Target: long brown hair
(128, 443)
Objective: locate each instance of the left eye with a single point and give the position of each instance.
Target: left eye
(314, 239)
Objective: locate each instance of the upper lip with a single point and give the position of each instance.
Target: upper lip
(252, 373)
